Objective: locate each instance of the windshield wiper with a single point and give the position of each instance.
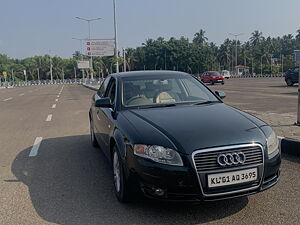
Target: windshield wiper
(157, 106)
(205, 102)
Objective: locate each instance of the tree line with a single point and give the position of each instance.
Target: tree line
(261, 54)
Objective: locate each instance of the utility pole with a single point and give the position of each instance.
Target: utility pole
(12, 76)
(271, 63)
(236, 56)
(51, 75)
(282, 63)
(75, 73)
(165, 60)
(115, 29)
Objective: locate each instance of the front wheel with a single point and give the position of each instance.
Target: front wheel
(122, 190)
(223, 83)
(212, 83)
(92, 134)
(289, 82)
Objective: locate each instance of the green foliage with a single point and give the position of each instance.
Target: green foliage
(195, 57)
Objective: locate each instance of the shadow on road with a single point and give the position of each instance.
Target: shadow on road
(70, 182)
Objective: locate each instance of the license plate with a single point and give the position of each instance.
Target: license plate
(219, 80)
(230, 178)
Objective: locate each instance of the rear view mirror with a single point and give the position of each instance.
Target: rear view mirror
(221, 94)
(103, 103)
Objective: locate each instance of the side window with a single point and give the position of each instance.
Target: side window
(103, 87)
(112, 91)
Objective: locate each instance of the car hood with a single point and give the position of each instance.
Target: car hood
(192, 127)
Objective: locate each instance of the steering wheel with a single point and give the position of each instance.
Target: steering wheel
(133, 98)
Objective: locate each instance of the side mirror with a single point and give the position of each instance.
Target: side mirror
(221, 94)
(103, 103)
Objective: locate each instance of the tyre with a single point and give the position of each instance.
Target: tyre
(122, 189)
(92, 134)
(212, 83)
(223, 83)
(289, 82)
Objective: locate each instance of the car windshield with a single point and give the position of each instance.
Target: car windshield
(214, 73)
(168, 91)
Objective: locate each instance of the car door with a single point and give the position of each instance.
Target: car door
(105, 115)
(97, 121)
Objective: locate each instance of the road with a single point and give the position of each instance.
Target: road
(67, 181)
(260, 94)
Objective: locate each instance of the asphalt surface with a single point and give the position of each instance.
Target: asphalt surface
(260, 94)
(70, 182)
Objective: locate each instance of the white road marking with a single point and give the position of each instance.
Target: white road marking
(56, 100)
(21, 94)
(35, 147)
(49, 118)
(53, 106)
(58, 96)
(7, 99)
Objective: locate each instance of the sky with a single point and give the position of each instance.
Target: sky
(38, 27)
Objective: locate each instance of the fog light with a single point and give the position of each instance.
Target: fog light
(159, 192)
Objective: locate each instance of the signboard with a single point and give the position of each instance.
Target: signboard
(297, 56)
(83, 64)
(100, 48)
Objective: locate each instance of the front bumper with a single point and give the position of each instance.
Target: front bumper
(217, 80)
(181, 183)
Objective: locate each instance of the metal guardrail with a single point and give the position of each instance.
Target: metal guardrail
(258, 76)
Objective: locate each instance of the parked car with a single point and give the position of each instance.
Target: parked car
(292, 76)
(212, 77)
(225, 74)
(169, 137)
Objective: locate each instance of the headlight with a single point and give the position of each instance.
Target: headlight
(272, 144)
(159, 154)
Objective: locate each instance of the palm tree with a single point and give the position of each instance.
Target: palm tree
(199, 38)
(256, 38)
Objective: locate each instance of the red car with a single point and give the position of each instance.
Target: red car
(212, 77)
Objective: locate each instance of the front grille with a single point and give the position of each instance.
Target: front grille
(207, 160)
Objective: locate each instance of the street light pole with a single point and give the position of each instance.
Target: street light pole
(236, 56)
(89, 27)
(261, 69)
(115, 29)
(124, 57)
(51, 75)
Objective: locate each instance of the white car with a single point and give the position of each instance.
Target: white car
(225, 74)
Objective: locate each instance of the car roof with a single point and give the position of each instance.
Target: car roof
(148, 73)
(213, 71)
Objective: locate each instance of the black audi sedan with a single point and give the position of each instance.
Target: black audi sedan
(171, 138)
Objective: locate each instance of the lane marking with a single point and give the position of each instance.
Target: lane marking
(7, 99)
(49, 118)
(53, 106)
(56, 100)
(35, 148)
(58, 96)
(21, 94)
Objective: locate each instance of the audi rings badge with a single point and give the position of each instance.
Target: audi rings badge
(230, 159)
